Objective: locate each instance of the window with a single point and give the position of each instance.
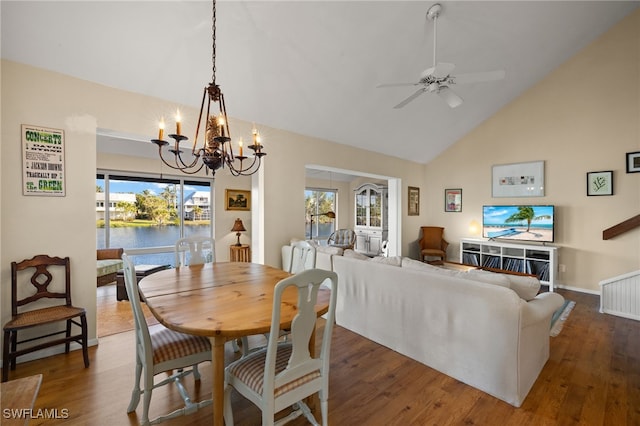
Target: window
(146, 215)
(318, 202)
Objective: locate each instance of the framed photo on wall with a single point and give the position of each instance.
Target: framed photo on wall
(414, 201)
(633, 162)
(237, 199)
(600, 183)
(453, 200)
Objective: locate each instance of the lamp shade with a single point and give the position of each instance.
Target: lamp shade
(330, 214)
(238, 226)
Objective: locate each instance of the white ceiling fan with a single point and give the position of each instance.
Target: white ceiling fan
(438, 78)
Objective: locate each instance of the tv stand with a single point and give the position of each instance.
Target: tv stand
(541, 261)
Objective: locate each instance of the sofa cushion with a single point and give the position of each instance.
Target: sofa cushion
(392, 260)
(355, 255)
(527, 287)
(108, 266)
(329, 250)
(421, 266)
(487, 277)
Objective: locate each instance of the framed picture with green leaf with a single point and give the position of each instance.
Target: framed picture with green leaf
(600, 183)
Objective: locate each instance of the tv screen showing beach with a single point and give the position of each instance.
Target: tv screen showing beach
(525, 223)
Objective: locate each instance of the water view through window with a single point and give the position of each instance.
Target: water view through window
(146, 216)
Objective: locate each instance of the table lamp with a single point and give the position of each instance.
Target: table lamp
(237, 228)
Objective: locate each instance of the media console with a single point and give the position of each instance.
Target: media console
(539, 260)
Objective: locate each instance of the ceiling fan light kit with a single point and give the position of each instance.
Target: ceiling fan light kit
(438, 78)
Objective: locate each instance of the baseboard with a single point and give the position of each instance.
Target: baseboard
(578, 289)
(54, 350)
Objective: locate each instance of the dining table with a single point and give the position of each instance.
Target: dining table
(222, 301)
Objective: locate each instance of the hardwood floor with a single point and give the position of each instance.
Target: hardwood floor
(591, 378)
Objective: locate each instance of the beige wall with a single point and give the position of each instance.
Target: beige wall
(66, 225)
(584, 116)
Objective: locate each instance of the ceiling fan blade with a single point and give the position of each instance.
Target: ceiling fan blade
(478, 77)
(410, 98)
(396, 84)
(449, 97)
(442, 69)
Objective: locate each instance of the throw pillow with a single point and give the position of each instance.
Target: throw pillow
(393, 260)
(487, 277)
(354, 254)
(526, 287)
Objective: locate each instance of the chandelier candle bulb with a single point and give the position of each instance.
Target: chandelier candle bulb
(161, 129)
(221, 124)
(178, 124)
(240, 146)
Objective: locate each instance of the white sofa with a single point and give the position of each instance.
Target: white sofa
(484, 335)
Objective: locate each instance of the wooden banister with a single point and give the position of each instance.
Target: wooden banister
(621, 228)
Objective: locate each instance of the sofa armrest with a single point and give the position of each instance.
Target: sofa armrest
(113, 253)
(541, 308)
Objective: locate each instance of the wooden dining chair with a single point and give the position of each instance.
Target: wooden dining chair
(283, 374)
(158, 350)
(195, 250)
(26, 313)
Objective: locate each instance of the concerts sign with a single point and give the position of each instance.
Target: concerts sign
(42, 161)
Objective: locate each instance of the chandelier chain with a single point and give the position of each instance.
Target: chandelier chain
(213, 50)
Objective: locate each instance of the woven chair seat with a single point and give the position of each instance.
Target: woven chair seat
(168, 345)
(43, 316)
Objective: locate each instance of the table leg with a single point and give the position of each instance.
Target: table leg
(217, 369)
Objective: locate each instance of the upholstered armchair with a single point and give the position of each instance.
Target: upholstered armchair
(432, 243)
(109, 262)
(343, 238)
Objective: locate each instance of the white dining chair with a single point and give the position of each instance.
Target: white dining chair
(158, 350)
(195, 250)
(283, 374)
(303, 256)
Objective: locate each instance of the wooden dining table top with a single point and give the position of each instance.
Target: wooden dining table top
(230, 299)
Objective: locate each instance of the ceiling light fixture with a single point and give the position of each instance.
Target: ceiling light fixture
(216, 150)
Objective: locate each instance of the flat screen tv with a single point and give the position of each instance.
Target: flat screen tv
(521, 223)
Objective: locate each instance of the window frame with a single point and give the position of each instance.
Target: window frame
(108, 175)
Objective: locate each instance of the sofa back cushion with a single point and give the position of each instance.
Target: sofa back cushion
(487, 277)
(527, 287)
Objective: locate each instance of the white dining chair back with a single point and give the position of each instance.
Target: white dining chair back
(283, 374)
(159, 349)
(195, 250)
(303, 257)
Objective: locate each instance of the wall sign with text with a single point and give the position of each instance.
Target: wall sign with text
(42, 161)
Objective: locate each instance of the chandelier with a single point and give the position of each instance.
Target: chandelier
(216, 151)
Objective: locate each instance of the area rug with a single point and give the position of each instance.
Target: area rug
(560, 316)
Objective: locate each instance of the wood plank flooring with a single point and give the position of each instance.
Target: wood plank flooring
(591, 378)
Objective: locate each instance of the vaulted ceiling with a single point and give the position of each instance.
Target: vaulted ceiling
(312, 67)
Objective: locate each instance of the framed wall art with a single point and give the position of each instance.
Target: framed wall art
(43, 166)
(633, 162)
(237, 199)
(600, 183)
(518, 180)
(453, 200)
(414, 201)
